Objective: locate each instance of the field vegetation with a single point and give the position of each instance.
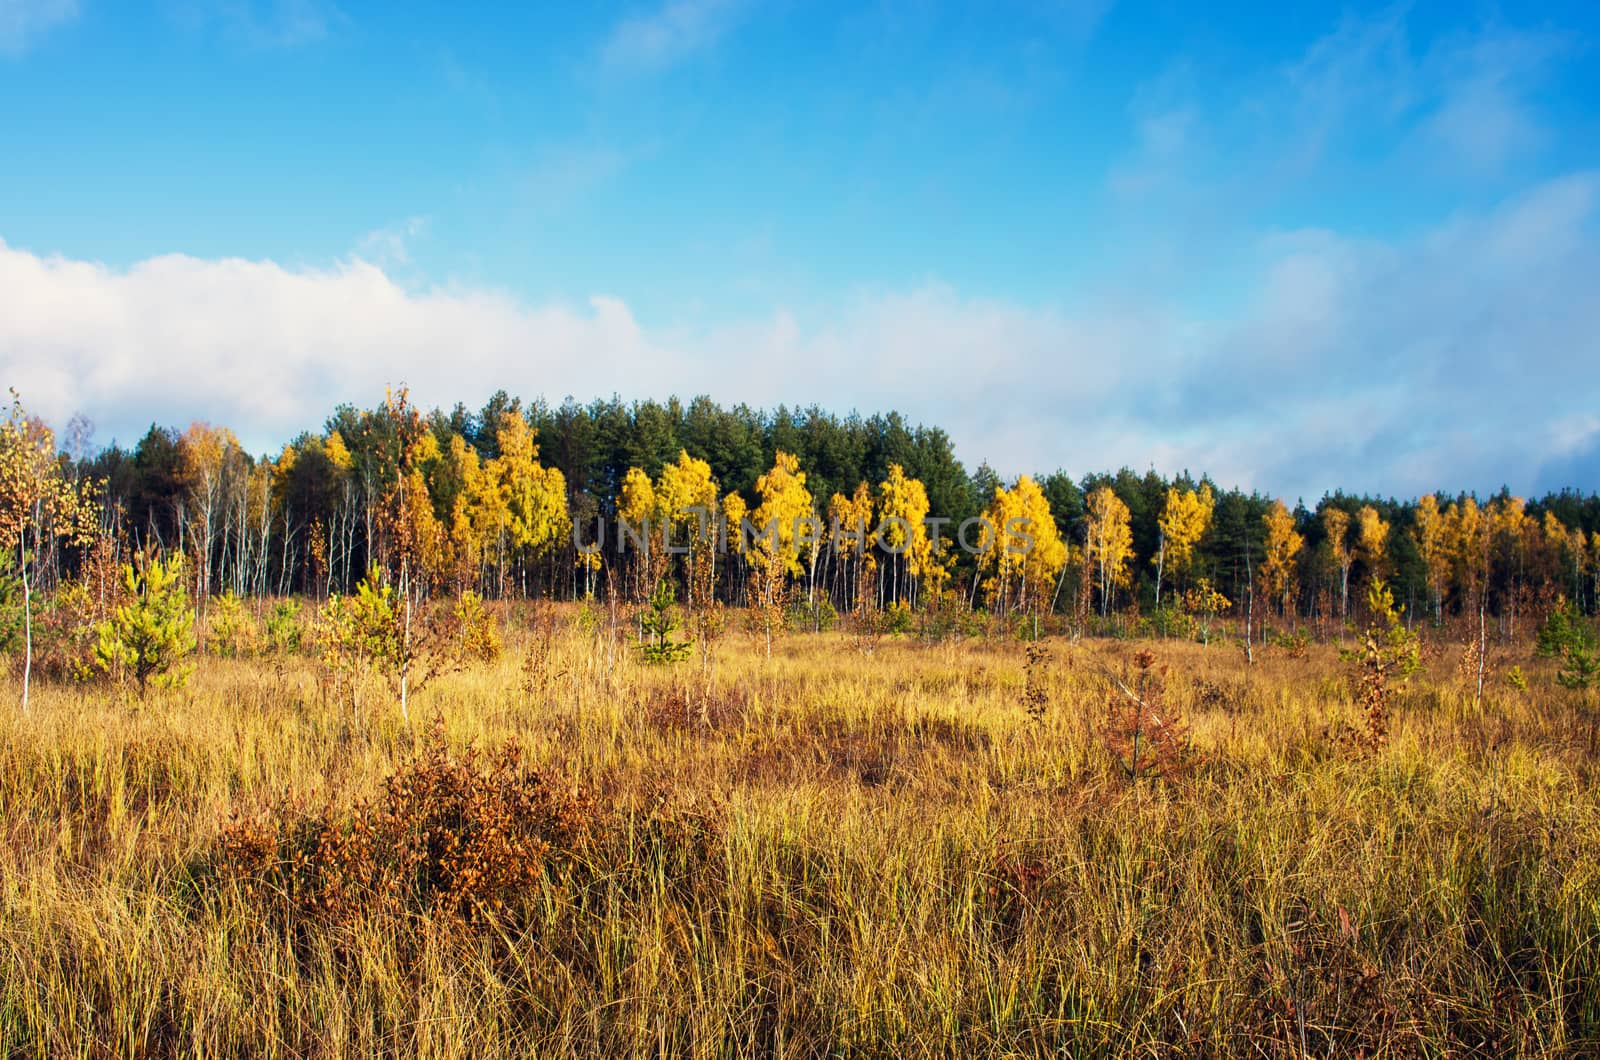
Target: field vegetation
(363, 751)
(859, 844)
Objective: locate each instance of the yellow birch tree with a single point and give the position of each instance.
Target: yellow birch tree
(1372, 542)
(1282, 554)
(1184, 520)
(1109, 545)
(38, 504)
(1429, 535)
(1336, 521)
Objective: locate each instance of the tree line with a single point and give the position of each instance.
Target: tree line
(500, 501)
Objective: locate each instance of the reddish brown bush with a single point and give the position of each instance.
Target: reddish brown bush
(453, 834)
(1148, 737)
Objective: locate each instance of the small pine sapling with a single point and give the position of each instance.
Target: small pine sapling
(480, 633)
(1565, 635)
(658, 623)
(283, 633)
(230, 628)
(149, 636)
(1148, 738)
(1388, 650)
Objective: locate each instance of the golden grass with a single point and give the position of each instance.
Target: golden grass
(825, 853)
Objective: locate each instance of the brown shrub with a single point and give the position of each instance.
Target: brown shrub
(452, 834)
(721, 709)
(1016, 888)
(1372, 682)
(1148, 737)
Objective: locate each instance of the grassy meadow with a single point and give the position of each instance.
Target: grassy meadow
(853, 847)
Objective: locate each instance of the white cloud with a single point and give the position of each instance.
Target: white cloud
(1462, 358)
(647, 43)
(23, 21)
(271, 349)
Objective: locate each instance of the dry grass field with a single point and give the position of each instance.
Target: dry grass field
(830, 851)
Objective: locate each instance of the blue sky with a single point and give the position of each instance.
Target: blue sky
(1300, 249)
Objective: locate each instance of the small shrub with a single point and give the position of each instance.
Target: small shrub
(539, 669)
(898, 618)
(657, 625)
(66, 632)
(283, 631)
(818, 616)
(1374, 688)
(1468, 662)
(1295, 645)
(1169, 622)
(362, 631)
(480, 633)
(1564, 626)
(149, 636)
(370, 632)
(1565, 635)
(1148, 738)
(866, 629)
(10, 603)
(1387, 650)
(947, 615)
(590, 618)
(454, 834)
(767, 613)
(1204, 602)
(1581, 669)
(230, 626)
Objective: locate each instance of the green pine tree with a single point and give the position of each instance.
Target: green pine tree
(151, 635)
(657, 625)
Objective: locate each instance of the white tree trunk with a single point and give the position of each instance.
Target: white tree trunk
(27, 622)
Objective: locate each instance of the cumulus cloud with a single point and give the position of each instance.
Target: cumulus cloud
(23, 21)
(1461, 358)
(270, 349)
(1452, 359)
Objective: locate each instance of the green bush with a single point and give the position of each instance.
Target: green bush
(1171, 623)
(657, 624)
(897, 618)
(818, 617)
(363, 631)
(151, 635)
(1567, 636)
(231, 628)
(284, 634)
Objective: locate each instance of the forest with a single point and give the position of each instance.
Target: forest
(497, 494)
